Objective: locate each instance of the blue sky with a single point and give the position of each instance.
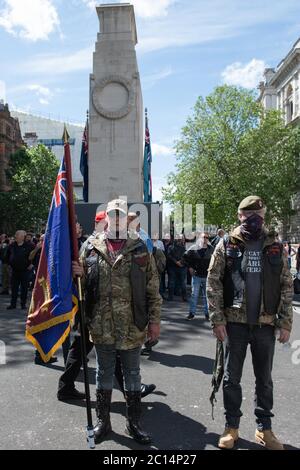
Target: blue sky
(186, 48)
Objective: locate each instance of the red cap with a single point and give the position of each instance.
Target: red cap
(100, 216)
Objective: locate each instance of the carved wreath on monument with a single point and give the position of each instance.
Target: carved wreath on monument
(113, 97)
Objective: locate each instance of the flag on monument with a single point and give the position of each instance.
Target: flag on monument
(84, 166)
(54, 301)
(147, 164)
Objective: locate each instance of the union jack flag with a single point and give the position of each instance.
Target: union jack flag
(60, 187)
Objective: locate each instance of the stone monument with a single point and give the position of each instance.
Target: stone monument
(116, 109)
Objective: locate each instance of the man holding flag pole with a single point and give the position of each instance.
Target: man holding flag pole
(55, 299)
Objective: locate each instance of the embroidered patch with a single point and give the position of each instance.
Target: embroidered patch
(233, 251)
(274, 250)
(141, 260)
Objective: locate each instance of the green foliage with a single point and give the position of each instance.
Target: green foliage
(32, 174)
(231, 148)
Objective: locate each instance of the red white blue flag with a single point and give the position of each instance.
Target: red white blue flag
(147, 164)
(54, 301)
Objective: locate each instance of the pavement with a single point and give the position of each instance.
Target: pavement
(177, 414)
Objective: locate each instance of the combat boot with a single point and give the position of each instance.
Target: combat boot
(228, 438)
(268, 439)
(134, 410)
(103, 426)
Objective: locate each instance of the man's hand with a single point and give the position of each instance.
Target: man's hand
(30, 267)
(153, 331)
(179, 264)
(220, 332)
(77, 269)
(192, 271)
(284, 336)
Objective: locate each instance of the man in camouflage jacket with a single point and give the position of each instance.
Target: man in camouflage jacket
(250, 291)
(121, 286)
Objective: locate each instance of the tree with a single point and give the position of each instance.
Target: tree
(32, 174)
(231, 148)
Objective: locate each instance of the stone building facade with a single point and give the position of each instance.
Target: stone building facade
(281, 90)
(10, 142)
(43, 130)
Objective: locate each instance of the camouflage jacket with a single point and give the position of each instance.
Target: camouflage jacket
(220, 314)
(112, 319)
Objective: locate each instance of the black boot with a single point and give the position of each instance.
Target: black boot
(103, 426)
(134, 409)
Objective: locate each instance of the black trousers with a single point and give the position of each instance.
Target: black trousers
(74, 362)
(262, 345)
(19, 278)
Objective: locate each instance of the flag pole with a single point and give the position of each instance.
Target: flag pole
(75, 255)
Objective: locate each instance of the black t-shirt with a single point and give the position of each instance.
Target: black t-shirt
(253, 279)
(198, 259)
(19, 255)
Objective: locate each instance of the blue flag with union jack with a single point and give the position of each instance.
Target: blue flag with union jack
(54, 302)
(147, 165)
(84, 165)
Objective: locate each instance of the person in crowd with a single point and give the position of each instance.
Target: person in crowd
(135, 230)
(159, 248)
(266, 304)
(167, 242)
(290, 252)
(80, 237)
(36, 239)
(220, 235)
(100, 226)
(18, 258)
(298, 259)
(176, 268)
(122, 310)
(4, 264)
(197, 259)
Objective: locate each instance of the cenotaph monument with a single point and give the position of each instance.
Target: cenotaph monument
(116, 109)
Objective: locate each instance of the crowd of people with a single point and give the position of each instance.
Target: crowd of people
(240, 275)
(184, 264)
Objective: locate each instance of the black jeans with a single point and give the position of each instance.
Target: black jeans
(19, 278)
(177, 274)
(73, 364)
(262, 344)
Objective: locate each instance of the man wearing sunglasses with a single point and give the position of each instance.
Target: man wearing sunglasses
(197, 258)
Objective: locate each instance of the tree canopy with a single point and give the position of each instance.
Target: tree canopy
(32, 174)
(230, 148)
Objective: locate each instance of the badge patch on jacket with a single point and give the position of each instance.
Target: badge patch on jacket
(141, 260)
(274, 250)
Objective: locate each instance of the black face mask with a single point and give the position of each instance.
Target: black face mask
(251, 228)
